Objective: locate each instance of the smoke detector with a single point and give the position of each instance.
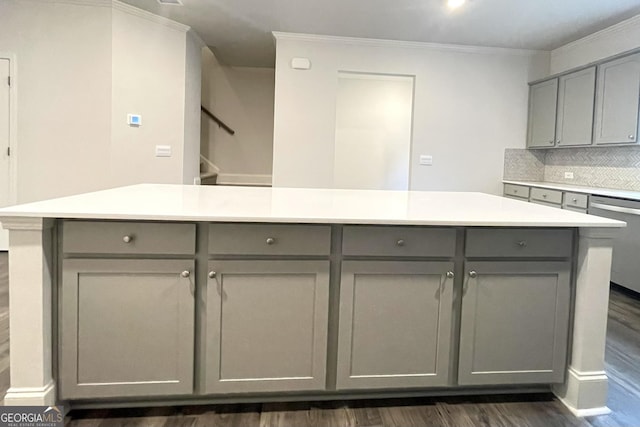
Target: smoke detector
(171, 2)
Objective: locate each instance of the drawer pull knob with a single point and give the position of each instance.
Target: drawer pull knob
(450, 274)
(515, 191)
(631, 136)
(127, 239)
(473, 274)
(544, 195)
(400, 242)
(551, 142)
(574, 200)
(522, 243)
(270, 240)
(185, 274)
(212, 275)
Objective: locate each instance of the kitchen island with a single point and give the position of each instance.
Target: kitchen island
(169, 294)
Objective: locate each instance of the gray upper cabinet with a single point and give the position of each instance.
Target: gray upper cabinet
(514, 325)
(542, 114)
(576, 92)
(395, 324)
(266, 325)
(126, 328)
(617, 101)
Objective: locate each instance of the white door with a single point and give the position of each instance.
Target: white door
(4, 144)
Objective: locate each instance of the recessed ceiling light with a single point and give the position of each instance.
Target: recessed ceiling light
(453, 4)
(171, 2)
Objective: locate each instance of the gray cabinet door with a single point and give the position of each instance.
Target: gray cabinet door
(395, 324)
(576, 92)
(126, 328)
(617, 97)
(266, 326)
(542, 114)
(514, 326)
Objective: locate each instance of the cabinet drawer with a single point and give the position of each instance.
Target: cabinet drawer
(269, 239)
(546, 195)
(133, 238)
(520, 242)
(398, 241)
(576, 200)
(516, 191)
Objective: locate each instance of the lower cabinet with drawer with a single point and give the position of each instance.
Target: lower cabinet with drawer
(307, 308)
(515, 313)
(395, 311)
(266, 318)
(126, 324)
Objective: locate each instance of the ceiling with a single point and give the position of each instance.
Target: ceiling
(239, 31)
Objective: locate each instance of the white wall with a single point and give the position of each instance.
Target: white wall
(243, 98)
(602, 44)
(470, 104)
(148, 67)
(193, 93)
(63, 87)
(81, 67)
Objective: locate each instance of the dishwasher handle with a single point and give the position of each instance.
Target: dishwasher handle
(621, 209)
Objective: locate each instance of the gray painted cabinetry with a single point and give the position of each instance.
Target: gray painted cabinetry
(617, 101)
(543, 99)
(395, 324)
(561, 110)
(126, 325)
(515, 314)
(280, 308)
(266, 319)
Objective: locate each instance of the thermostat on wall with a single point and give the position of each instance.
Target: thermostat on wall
(134, 119)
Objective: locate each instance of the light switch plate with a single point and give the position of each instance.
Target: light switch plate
(426, 160)
(568, 175)
(163, 151)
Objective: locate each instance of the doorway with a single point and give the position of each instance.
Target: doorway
(373, 131)
(5, 163)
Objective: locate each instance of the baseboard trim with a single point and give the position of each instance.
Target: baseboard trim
(31, 396)
(584, 393)
(244, 179)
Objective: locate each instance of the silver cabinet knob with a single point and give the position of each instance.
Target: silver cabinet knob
(473, 274)
(522, 243)
(212, 275)
(127, 239)
(185, 273)
(450, 274)
(544, 196)
(270, 240)
(515, 191)
(551, 142)
(400, 242)
(631, 136)
(574, 200)
(558, 140)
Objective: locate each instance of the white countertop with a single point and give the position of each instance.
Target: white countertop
(298, 205)
(609, 192)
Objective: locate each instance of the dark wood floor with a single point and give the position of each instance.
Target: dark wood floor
(544, 410)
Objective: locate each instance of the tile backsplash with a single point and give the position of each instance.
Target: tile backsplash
(606, 167)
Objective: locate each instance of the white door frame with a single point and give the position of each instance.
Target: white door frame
(13, 126)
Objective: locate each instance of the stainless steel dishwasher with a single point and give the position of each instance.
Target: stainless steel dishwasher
(625, 266)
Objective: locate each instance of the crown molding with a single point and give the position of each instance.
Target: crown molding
(123, 7)
(404, 44)
(98, 3)
(196, 37)
(621, 27)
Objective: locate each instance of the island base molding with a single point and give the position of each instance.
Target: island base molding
(584, 393)
(303, 397)
(31, 396)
